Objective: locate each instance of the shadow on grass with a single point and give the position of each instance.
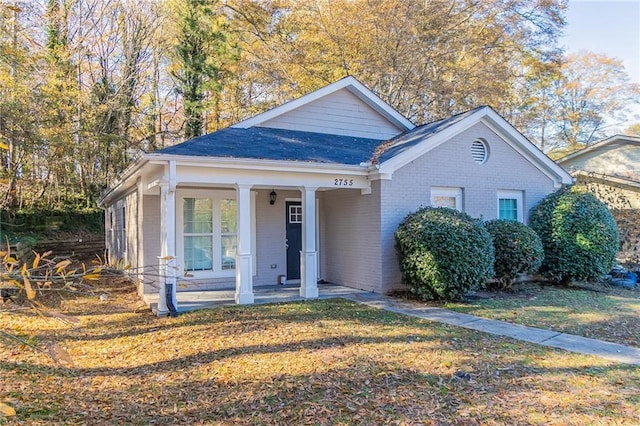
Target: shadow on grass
(465, 377)
(366, 391)
(222, 354)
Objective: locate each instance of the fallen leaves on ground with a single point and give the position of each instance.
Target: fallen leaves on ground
(594, 310)
(321, 363)
(6, 410)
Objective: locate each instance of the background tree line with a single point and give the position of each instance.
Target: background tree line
(86, 84)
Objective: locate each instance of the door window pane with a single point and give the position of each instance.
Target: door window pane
(295, 214)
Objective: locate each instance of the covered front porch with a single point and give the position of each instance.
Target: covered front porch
(188, 301)
(221, 227)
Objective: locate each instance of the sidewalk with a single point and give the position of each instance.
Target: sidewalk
(569, 342)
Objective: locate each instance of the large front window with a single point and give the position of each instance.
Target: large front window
(198, 234)
(209, 233)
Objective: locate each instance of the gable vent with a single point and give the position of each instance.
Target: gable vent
(479, 151)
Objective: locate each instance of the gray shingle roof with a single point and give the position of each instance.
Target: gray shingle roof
(277, 144)
(413, 137)
(292, 145)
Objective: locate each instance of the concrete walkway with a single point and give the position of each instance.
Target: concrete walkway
(569, 342)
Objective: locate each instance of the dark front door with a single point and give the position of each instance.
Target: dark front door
(294, 239)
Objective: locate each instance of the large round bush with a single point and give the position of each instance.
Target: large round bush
(443, 253)
(518, 250)
(579, 235)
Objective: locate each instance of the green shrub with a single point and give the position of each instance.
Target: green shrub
(578, 233)
(443, 253)
(518, 250)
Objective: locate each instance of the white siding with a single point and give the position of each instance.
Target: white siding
(341, 113)
(151, 242)
(122, 230)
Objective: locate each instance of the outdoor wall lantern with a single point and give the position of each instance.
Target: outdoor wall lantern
(272, 197)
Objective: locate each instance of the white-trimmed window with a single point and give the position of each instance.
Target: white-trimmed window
(207, 232)
(510, 205)
(446, 197)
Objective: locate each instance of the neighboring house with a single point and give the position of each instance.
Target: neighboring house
(313, 190)
(611, 169)
(614, 161)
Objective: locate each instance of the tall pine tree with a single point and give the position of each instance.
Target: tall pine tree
(200, 56)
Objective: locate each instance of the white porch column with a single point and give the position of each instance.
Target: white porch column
(244, 256)
(308, 254)
(168, 272)
(162, 301)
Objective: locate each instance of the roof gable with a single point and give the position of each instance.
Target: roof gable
(618, 155)
(417, 142)
(345, 108)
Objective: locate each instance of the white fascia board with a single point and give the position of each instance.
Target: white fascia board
(129, 175)
(404, 158)
(353, 85)
(257, 164)
(497, 124)
(376, 174)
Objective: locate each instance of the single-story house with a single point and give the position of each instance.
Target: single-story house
(312, 190)
(614, 161)
(611, 169)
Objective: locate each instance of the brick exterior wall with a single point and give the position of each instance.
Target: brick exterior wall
(451, 165)
(352, 238)
(271, 236)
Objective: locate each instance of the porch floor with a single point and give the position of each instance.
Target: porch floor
(194, 300)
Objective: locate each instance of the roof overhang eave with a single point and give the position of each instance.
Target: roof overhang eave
(256, 164)
(130, 173)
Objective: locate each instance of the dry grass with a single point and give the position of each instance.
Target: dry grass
(320, 363)
(589, 309)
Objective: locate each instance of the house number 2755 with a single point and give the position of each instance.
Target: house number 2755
(343, 182)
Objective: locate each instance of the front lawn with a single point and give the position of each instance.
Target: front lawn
(590, 310)
(321, 363)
